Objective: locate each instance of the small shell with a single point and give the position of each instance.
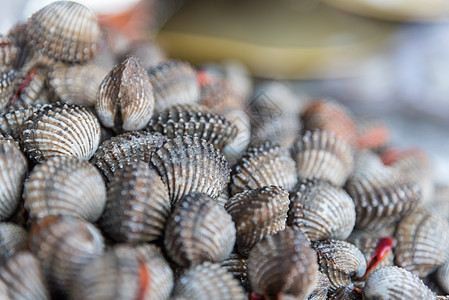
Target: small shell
(11, 122)
(257, 213)
(322, 154)
(209, 236)
(396, 284)
(321, 210)
(137, 205)
(13, 238)
(422, 242)
(442, 276)
(65, 186)
(64, 30)
(236, 264)
(194, 120)
(321, 288)
(283, 264)
(61, 130)
(267, 164)
(188, 164)
(125, 98)
(208, 281)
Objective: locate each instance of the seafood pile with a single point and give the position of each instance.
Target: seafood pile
(141, 177)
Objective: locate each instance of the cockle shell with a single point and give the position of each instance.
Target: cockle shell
(11, 122)
(9, 53)
(257, 213)
(8, 84)
(321, 288)
(61, 130)
(125, 98)
(189, 164)
(13, 238)
(283, 264)
(31, 88)
(264, 165)
(137, 205)
(236, 264)
(321, 210)
(209, 236)
(65, 185)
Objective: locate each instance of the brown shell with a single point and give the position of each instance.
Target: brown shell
(322, 154)
(13, 238)
(257, 213)
(137, 205)
(31, 87)
(321, 288)
(65, 186)
(321, 210)
(11, 122)
(283, 264)
(194, 120)
(264, 165)
(61, 130)
(208, 281)
(125, 99)
(189, 164)
(9, 52)
(236, 264)
(209, 236)
(422, 242)
(64, 30)
(113, 154)
(218, 94)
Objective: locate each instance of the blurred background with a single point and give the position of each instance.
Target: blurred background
(383, 58)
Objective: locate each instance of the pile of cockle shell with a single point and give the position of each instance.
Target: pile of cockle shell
(125, 177)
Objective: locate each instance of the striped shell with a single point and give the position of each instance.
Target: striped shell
(11, 122)
(13, 238)
(9, 52)
(321, 210)
(209, 236)
(257, 213)
(64, 30)
(283, 264)
(322, 154)
(236, 264)
(321, 288)
(31, 87)
(267, 164)
(65, 186)
(125, 99)
(137, 205)
(61, 130)
(8, 86)
(188, 164)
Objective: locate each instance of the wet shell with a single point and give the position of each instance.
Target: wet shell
(24, 278)
(31, 88)
(395, 283)
(13, 169)
(125, 99)
(64, 30)
(65, 186)
(13, 238)
(208, 281)
(64, 245)
(321, 210)
(257, 213)
(422, 242)
(267, 164)
(283, 264)
(341, 261)
(8, 85)
(208, 236)
(137, 205)
(188, 164)
(236, 264)
(194, 120)
(321, 288)
(9, 53)
(11, 122)
(442, 276)
(61, 130)
(174, 82)
(322, 154)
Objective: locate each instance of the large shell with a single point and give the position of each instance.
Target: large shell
(11, 122)
(209, 236)
(65, 186)
(267, 164)
(257, 213)
(208, 281)
(422, 242)
(322, 210)
(125, 98)
(64, 30)
(13, 238)
(137, 205)
(236, 264)
(13, 169)
(189, 164)
(322, 154)
(283, 264)
(194, 120)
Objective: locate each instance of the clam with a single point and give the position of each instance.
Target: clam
(11, 122)
(236, 264)
(137, 205)
(125, 99)
(61, 130)
(257, 213)
(321, 210)
(208, 236)
(31, 87)
(283, 264)
(13, 238)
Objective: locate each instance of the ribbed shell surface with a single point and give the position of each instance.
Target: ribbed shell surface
(8, 84)
(9, 53)
(13, 238)
(236, 264)
(11, 122)
(31, 88)
(321, 288)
